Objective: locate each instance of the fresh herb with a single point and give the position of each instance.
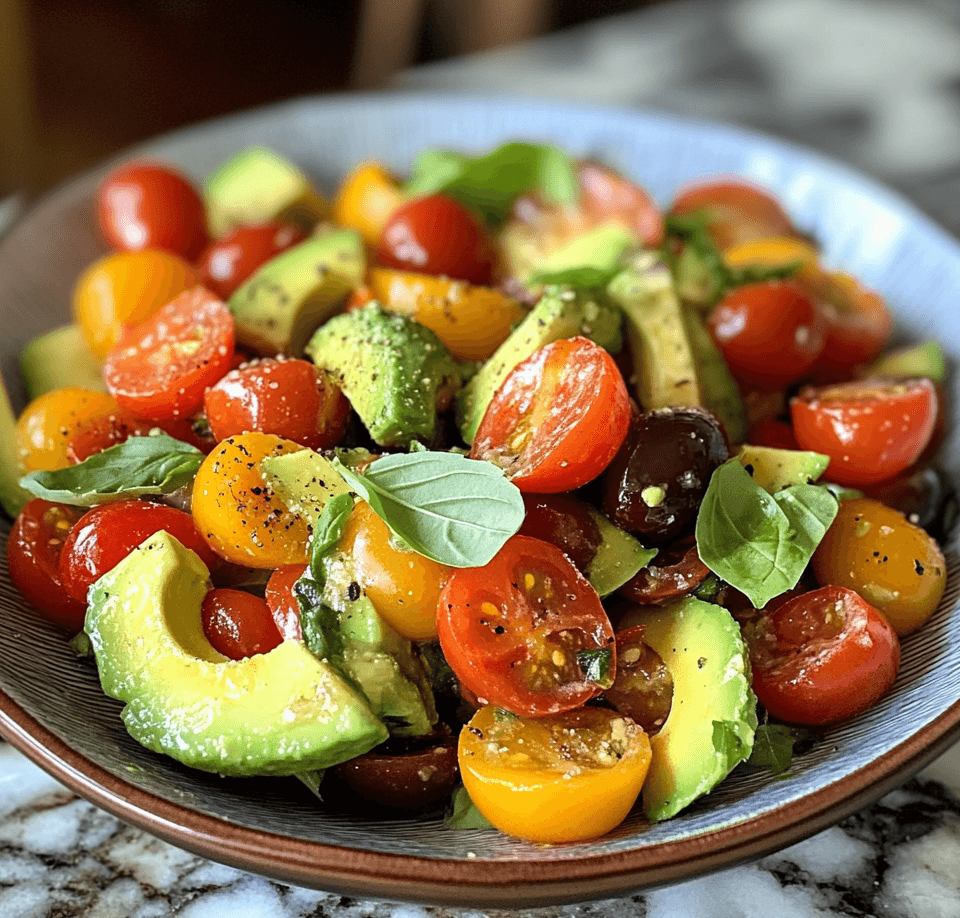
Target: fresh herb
(464, 813)
(842, 492)
(138, 467)
(312, 781)
(596, 664)
(760, 543)
(773, 748)
(491, 183)
(455, 510)
(327, 531)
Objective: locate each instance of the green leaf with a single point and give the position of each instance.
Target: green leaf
(758, 542)
(464, 813)
(320, 623)
(596, 664)
(138, 467)
(312, 781)
(327, 531)
(842, 492)
(455, 510)
(773, 747)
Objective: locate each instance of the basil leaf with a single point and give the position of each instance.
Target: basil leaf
(455, 510)
(327, 531)
(596, 665)
(464, 813)
(319, 622)
(491, 183)
(140, 466)
(758, 542)
(772, 747)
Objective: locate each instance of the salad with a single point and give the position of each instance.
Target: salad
(498, 488)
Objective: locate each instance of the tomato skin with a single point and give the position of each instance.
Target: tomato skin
(282, 601)
(227, 262)
(238, 624)
(771, 432)
(290, 398)
(822, 657)
(99, 434)
(33, 556)
(872, 429)
(511, 630)
(161, 369)
(558, 419)
(437, 235)
(146, 205)
(770, 333)
(366, 199)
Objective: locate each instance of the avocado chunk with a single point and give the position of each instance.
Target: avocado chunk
(391, 368)
(12, 496)
(618, 559)
(713, 716)
(304, 481)
(257, 185)
(560, 313)
(58, 359)
(277, 713)
(775, 469)
(924, 359)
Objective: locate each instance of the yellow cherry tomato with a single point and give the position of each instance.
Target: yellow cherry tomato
(563, 778)
(895, 566)
(238, 513)
(774, 251)
(403, 586)
(126, 288)
(49, 423)
(366, 199)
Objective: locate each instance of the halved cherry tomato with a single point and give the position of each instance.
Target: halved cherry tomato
(607, 195)
(238, 624)
(565, 778)
(227, 262)
(564, 521)
(518, 630)
(33, 556)
(871, 429)
(437, 235)
(147, 205)
(289, 398)
(161, 368)
(822, 657)
(105, 535)
(643, 689)
(773, 252)
(771, 333)
(366, 200)
(675, 571)
(558, 418)
(772, 432)
(282, 601)
(99, 434)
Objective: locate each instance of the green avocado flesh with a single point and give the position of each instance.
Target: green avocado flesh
(60, 358)
(272, 714)
(775, 469)
(12, 496)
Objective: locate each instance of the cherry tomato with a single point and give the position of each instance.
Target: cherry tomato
(871, 429)
(105, 535)
(773, 252)
(437, 235)
(564, 778)
(643, 689)
(151, 206)
(227, 262)
(894, 565)
(290, 398)
(564, 521)
(515, 630)
(366, 200)
(558, 418)
(33, 556)
(605, 195)
(238, 624)
(161, 368)
(822, 657)
(675, 571)
(98, 434)
(770, 333)
(282, 601)
(774, 433)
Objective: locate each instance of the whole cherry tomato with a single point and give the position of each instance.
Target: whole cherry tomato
(366, 199)
(238, 624)
(151, 206)
(558, 418)
(437, 235)
(772, 432)
(872, 429)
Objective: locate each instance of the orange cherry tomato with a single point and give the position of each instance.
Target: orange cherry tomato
(366, 200)
(238, 624)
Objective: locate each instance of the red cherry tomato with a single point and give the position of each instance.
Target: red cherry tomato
(282, 601)
(770, 333)
(33, 556)
(822, 657)
(558, 418)
(227, 262)
(238, 624)
(99, 434)
(290, 398)
(151, 206)
(771, 432)
(105, 535)
(437, 235)
(514, 631)
(872, 429)
(606, 195)
(162, 367)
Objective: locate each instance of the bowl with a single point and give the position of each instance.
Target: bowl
(51, 706)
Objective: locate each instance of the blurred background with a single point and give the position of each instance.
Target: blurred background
(873, 82)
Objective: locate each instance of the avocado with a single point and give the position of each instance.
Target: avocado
(304, 481)
(619, 556)
(391, 368)
(284, 301)
(257, 185)
(60, 358)
(774, 469)
(271, 714)
(713, 715)
(12, 496)
(924, 359)
(560, 313)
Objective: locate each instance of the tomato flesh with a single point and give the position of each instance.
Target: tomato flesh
(282, 601)
(238, 624)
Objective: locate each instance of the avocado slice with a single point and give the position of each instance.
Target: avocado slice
(12, 496)
(560, 313)
(713, 716)
(619, 556)
(775, 469)
(924, 359)
(284, 301)
(257, 185)
(277, 713)
(304, 481)
(58, 359)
